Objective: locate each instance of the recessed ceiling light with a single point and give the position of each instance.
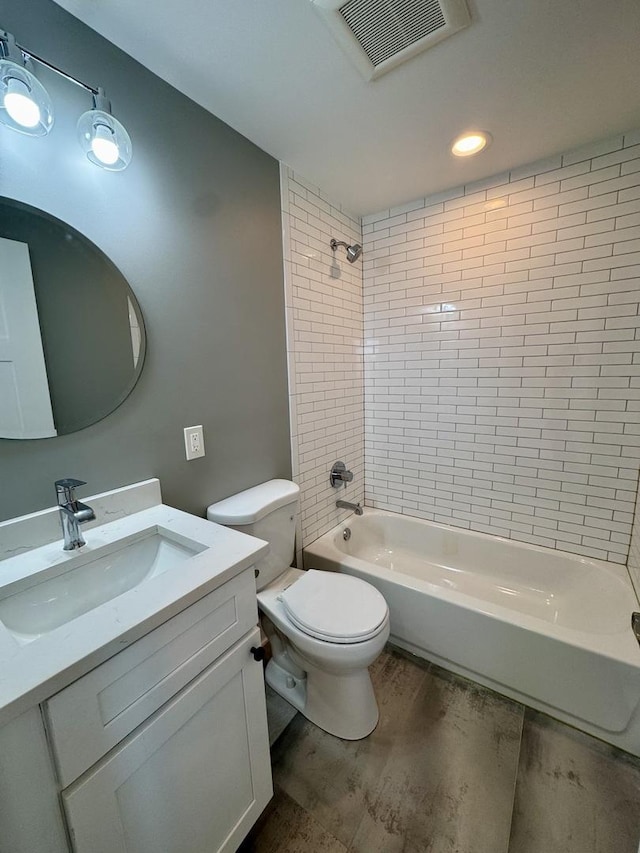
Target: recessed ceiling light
(470, 143)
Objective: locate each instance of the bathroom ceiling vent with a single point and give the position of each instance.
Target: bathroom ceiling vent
(380, 34)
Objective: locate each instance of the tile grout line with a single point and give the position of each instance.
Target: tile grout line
(376, 792)
(425, 666)
(517, 773)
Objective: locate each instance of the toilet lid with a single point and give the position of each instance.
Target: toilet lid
(334, 607)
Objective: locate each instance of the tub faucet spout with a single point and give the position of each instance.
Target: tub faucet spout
(347, 505)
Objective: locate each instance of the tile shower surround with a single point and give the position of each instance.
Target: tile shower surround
(323, 298)
(502, 356)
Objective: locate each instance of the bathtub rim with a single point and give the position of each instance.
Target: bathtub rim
(620, 646)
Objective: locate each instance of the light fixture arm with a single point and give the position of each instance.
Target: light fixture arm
(10, 49)
(17, 53)
(100, 101)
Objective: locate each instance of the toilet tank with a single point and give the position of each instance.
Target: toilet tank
(268, 511)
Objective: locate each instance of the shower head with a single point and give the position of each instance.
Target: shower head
(353, 252)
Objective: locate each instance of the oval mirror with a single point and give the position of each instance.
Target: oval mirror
(72, 340)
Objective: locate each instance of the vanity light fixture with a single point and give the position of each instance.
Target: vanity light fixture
(102, 137)
(25, 104)
(26, 107)
(470, 143)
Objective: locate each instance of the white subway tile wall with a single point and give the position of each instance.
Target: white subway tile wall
(323, 296)
(502, 353)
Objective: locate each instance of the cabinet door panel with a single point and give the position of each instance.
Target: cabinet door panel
(193, 779)
(96, 712)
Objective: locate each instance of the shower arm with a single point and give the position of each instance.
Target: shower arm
(353, 252)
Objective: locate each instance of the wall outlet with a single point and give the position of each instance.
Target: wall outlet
(194, 442)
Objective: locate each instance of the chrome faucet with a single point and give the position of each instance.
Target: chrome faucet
(346, 505)
(73, 513)
(339, 475)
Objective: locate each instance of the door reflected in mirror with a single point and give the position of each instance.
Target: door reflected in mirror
(72, 339)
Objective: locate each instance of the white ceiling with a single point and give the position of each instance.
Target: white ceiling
(541, 75)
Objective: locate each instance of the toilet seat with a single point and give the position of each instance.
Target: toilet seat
(335, 608)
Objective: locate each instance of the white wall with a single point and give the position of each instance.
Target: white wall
(323, 296)
(633, 563)
(502, 360)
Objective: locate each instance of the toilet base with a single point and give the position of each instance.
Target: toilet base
(343, 705)
(292, 688)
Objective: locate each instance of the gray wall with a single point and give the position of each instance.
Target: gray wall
(194, 225)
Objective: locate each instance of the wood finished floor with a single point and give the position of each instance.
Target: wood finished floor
(451, 768)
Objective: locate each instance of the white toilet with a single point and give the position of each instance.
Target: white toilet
(325, 628)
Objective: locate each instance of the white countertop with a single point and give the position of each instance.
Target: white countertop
(30, 673)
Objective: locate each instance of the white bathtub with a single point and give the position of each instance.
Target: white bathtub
(548, 629)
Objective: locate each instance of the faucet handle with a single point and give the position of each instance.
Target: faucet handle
(68, 483)
(66, 488)
(339, 475)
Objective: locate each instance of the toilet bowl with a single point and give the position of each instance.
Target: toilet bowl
(325, 678)
(325, 628)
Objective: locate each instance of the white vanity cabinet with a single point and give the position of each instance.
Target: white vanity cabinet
(163, 748)
(192, 779)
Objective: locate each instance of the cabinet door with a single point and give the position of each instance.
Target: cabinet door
(96, 712)
(192, 779)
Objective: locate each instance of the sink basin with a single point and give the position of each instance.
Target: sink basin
(91, 580)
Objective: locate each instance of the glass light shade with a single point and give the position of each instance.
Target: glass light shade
(470, 143)
(25, 105)
(104, 140)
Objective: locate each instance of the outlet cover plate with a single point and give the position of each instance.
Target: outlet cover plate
(194, 442)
